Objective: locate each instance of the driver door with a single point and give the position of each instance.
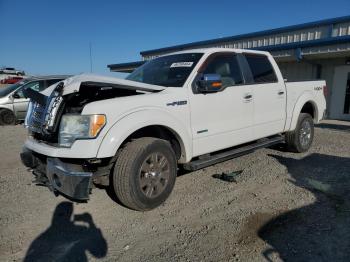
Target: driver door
(225, 118)
(20, 103)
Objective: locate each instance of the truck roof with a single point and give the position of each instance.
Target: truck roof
(218, 49)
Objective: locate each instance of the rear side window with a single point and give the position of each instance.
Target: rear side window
(36, 85)
(261, 69)
(227, 67)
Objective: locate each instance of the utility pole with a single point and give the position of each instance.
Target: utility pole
(90, 58)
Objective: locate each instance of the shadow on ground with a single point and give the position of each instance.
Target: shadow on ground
(320, 231)
(68, 238)
(344, 128)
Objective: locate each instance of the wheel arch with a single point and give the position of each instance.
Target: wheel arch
(305, 104)
(151, 123)
(7, 107)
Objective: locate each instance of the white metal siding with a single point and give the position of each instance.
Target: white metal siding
(307, 34)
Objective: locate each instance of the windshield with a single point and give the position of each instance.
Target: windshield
(9, 89)
(172, 70)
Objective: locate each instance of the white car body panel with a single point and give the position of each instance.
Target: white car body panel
(299, 93)
(227, 117)
(221, 119)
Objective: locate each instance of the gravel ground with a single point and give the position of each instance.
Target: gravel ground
(283, 206)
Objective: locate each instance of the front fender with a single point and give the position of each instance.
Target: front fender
(134, 121)
(7, 106)
(301, 101)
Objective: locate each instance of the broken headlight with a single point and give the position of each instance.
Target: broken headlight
(74, 127)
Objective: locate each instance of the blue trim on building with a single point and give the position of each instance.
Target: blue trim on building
(310, 43)
(249, 35)
(297, 46)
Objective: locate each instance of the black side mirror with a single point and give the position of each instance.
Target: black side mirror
(16, 96)
(209, 83)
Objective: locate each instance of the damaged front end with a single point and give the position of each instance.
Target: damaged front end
(66, 174)
(66, 178)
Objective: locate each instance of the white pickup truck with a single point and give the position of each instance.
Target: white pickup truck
(192, 108)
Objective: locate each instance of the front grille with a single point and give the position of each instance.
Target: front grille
(42, 114)
(36, 119)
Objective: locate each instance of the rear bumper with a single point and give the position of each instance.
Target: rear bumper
(60, 177)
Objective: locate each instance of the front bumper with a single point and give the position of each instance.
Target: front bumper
(65, 178)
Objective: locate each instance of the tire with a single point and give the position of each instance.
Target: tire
(144, 173)
(7, 117)
(300, 140)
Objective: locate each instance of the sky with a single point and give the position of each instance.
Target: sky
(53, 36)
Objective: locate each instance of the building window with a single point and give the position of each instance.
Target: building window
(284, 39)
(343, 31)
(318, 35)
(303, 36)
(278, 40)
(311, 36)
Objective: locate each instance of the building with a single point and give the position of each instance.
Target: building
(316, 50)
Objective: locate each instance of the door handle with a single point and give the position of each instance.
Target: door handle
(280, 93)
(248, 96)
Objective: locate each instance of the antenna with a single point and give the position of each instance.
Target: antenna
(90, 58)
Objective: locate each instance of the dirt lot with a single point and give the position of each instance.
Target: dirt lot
(284, 206)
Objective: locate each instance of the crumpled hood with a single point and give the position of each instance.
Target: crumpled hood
(72, 84)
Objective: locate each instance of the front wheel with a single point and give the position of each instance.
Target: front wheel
(300, 140)
(7, 117)
(145, 172)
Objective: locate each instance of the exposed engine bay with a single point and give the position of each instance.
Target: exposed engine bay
(74, 103)
(45, 112)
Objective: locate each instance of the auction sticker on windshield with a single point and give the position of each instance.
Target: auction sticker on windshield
(182, 64)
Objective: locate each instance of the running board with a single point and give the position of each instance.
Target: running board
(232, 153)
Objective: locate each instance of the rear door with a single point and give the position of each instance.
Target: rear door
(269, 96)
(222, 119)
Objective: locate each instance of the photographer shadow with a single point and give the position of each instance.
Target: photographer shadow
(65, 240)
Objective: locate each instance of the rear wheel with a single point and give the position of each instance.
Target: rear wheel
(145, 172)
(7, 117)
(300, 140)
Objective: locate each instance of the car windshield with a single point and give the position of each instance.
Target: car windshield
(171, 70)
(9, 89)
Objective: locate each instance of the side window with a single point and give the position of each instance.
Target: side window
(19, 93)
(261, 69)
(225, 65)
(35, 85)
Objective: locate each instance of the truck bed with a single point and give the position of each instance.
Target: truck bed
(314, 90)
